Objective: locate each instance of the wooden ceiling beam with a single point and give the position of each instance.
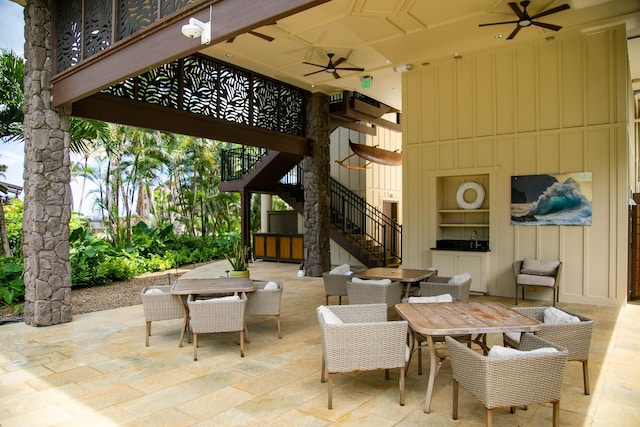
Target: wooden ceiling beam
(163, 42)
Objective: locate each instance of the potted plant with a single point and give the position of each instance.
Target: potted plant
(238, 260)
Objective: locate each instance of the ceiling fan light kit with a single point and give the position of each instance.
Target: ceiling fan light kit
(525, 20)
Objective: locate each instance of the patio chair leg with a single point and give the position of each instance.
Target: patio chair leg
(454, 409)
(246, 333)
(386, 374)
(326, 299)
(241, 343)
(419, 359)
(195, 346)
(489, 417)
(402, 374)
(279, 331)
(323, 372)
(556, 414)
(148, 332)
(585, 375)
(330, 391)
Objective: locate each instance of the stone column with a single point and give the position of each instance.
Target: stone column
(317, 188)
(47, 194)
(266, 204)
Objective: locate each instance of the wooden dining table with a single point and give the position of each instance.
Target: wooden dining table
(460, 318)
(404, 275)
(183, 287)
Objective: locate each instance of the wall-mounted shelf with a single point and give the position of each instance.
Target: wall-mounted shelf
(455, 222)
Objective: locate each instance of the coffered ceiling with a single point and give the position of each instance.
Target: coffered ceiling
(378, 35)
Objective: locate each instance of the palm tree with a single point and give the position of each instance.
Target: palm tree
(11, 96)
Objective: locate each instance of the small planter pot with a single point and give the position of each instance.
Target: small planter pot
(239, 273)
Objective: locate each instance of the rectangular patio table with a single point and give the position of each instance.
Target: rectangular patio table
(404, 275)
(460, 318)
(182, 288)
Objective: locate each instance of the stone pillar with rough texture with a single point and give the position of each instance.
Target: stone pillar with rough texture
(317, 187)
(47, 194)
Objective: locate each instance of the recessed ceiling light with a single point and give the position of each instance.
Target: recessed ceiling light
(498, 36)
(229, 55)
(387, 61)
(313, 85)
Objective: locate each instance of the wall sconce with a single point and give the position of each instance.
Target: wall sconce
(196, 28)
(402, 68)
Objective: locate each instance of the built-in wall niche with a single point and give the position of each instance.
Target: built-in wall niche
(462, 207)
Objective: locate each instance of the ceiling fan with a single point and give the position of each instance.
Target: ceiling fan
(524, 20)
(332, 67)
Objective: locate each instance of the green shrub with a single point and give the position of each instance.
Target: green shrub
(11, 281)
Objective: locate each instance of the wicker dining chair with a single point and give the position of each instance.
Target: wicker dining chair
(575, 337)
(335, 285)
(264, 302)
(438, 285)
(159, 304)
(359, 338)
(217, 315)
(373, 292)
(509, 381)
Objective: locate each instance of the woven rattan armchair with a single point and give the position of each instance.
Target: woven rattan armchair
(438, 285)
(373, 293)
(575, 337)
(159, 305)
(363, 340)
(335, 285)
(509, 381)
(217, 315)
(264, 302)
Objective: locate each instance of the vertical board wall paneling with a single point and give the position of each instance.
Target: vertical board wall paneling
(484, 98)
(505, 87)
(598, 78)
(465, 95)
(527, 89)
(572, 83)
(549, 110)
(446, 101)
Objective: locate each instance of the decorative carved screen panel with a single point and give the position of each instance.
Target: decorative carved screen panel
(69, 34)
(216, 89)
(97, 26)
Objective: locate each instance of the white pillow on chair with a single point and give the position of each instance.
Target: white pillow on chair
(438, 298)
(553, 315)
(341, 269)
(269, 286)
(459, 279)
(498, 351)
(330, 318)
(372, 282)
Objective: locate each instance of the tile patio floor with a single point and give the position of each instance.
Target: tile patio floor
(96, 371)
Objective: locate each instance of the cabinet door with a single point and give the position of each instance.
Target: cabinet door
(445, 262)
(474, 264)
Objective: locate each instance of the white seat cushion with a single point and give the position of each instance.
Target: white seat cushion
(438, 298)
(341, 269)
(372, 282)
(459, 279)
(270, 286)
(553, 315)
(153, 291)
(533, 279)
(514, 336)
(330, 318)
(217, 299)
(498, 351)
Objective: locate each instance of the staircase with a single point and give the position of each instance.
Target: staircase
(362, 230)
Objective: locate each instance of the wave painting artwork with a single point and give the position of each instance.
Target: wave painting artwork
(551, 199)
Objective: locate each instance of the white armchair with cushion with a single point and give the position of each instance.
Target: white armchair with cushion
(509, 378)
(265, 301)
(533, 272)
(159, 304)
(335, 282)
(457, 286)
(359, 338)
(362, 291)
(213, 315)
(569, 330)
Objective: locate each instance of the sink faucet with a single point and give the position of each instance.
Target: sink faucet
(474, 239)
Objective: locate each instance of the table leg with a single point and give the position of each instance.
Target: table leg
(408, 290)
(436, 363)
(185, 322)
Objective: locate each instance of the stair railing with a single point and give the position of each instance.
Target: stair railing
(366, 225)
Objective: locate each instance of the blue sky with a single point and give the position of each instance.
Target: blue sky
(12, 37)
